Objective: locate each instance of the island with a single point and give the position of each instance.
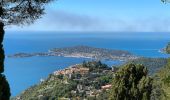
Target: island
(83, 52)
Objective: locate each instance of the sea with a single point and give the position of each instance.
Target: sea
(22, 73)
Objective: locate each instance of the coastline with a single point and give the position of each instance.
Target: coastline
(82, 52)
(163, 51)
(120, 58)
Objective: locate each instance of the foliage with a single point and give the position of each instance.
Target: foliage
(167, 48)
(153, 64)
(131, 83)
(78, 86)
(4, 88)
(92, 52)
(104, 95)
(157, 91)
(49, 89)
(165, 1)
(16, 12)
(164, 74)
(21, 11)
(95, 66)
(163, 77)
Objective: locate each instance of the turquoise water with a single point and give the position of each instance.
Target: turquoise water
(25, 72)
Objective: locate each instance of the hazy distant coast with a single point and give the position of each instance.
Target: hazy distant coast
(82, 52)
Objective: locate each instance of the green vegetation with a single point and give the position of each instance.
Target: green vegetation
(153, 64)
(4, 88)
(99, 82)
(84, 52)
(165, 1)
(16, 12)
(163, 77)
(131, 83)
(76, 86)
(96, 66)
(88, 49)
(167, 49)
(92, 52)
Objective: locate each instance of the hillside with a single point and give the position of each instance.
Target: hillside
(91, 52)
(87, 80)
(167, 48)
(163, 78)
(153, 64)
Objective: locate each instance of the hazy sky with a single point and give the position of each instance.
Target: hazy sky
(103, 15)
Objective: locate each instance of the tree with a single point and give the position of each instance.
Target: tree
(4, 88)
(165, 1)
(131, 83)
(16, 12)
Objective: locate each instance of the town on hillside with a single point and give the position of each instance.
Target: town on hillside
(88, 80)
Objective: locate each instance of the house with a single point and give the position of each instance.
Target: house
(72, 70)
(106, 87)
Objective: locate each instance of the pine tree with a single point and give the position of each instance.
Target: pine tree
(165, 1)
(16, 12)
(131, 83)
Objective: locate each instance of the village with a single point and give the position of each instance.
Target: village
(87, 79)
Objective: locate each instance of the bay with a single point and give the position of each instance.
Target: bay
(25, 72)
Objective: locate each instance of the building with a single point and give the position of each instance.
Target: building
(71, 70)
(106, 87)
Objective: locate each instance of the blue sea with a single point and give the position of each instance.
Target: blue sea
(25, 72)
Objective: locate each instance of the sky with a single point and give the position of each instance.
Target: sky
(102, 15)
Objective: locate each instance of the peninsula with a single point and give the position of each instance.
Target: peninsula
(82, 52)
